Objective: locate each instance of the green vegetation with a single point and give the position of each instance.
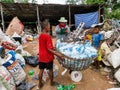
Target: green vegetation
(94, 1)
(72, 1)
(113, 4)
(22, 1)
(7, 1)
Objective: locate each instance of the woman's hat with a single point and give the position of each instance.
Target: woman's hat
(62, 19)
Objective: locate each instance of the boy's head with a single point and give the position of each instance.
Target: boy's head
(45, 25)
(96, 29)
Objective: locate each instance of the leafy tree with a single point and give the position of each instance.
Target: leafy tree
(21, 1)
(113, 4)
(72, 1)
(34, 1)
(115, 11)
(7, 1)
(94, 1)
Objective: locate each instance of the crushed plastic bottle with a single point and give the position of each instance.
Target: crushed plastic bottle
(31, 72)
(66, 87)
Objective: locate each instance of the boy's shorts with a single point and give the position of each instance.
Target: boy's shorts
(43, 65)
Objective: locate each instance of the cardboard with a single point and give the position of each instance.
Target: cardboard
(15, 26)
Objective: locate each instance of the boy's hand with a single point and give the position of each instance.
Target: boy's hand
(60, 56)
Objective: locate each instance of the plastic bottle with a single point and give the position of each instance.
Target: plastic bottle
(31, 72)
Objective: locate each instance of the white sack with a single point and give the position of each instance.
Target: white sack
(114, 58)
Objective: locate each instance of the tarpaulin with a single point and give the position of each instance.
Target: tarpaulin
(87, 18)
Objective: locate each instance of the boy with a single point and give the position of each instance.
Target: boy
(46, 53)
(97, 40)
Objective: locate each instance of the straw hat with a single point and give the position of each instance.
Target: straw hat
(62, 19)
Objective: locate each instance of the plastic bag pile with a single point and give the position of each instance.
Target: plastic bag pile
(76, 50)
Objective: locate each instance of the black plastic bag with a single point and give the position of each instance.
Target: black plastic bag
(31, 60)
(26, 85)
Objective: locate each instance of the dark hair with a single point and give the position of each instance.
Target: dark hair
(97, 26)
(44, 23)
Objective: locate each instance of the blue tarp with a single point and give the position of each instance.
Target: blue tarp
(87, 18)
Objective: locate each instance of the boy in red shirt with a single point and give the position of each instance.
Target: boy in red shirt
(46, 53)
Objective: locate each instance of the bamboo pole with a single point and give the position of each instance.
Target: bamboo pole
(38, 19)
(69, 17)
(3, 26)
(99, 14)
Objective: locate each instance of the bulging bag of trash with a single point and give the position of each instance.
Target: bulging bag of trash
(26, 85)
(117, 75)
(16, 71)
(20, 59)
(114, 58)
(108, 34)
(31, 60)
(2, 86)
(6, 80)
(8, 45)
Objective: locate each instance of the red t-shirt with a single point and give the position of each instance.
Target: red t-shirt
(45, 43)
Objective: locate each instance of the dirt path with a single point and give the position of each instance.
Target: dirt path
(91, 79)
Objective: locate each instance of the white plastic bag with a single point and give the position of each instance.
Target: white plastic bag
(114, 58)
(117, 75)
(15, 35)
(2, 86)
(106, 51)
(45, 76)
(108, 34)
(55, 70)
(20, 59)
(16, 71)
(113, 89)
(6, 80)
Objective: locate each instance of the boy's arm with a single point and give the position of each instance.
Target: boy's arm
(56, 53)
(101, 40)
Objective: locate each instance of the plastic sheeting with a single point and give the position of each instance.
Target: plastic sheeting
(88, 19)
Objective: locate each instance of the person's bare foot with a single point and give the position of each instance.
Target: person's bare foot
(40, 85)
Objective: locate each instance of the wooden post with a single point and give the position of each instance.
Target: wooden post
(99, 14)
(3, 26)
(38, 19)
(69, 17)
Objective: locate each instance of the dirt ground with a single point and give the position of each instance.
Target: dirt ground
(91, 80)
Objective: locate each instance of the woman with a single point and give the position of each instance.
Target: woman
(62, 28)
